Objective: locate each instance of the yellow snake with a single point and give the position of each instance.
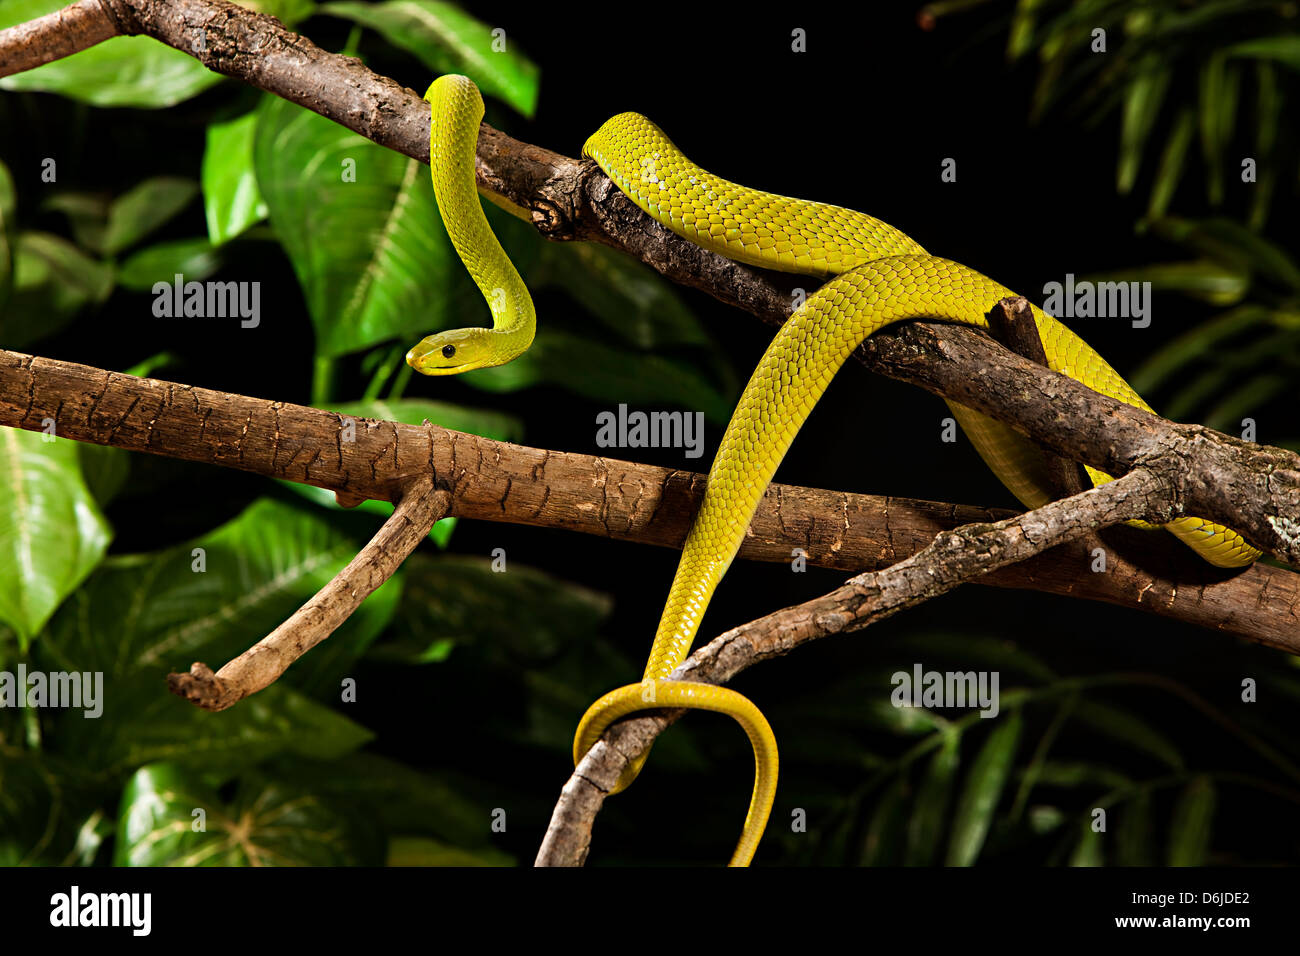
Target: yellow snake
(877, 275)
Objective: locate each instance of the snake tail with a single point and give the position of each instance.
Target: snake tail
(624, 701)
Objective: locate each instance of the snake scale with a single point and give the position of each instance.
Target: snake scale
(876, 275)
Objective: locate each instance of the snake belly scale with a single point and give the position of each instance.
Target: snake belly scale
(876, 276)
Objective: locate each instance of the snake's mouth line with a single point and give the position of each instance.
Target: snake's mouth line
(416, 362)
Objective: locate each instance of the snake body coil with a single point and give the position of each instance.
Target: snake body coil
(877, 276)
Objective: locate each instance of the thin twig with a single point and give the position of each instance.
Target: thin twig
(263, 663)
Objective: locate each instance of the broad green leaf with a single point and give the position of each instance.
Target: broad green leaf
(53, 281)
(194, 259)
(604, 373)
(105, 469)
(8, 231)
(231, 200)
(212, 598)
(52, 533)
(360, 226)
(930, 809)
(402, 800)
(421, 851)
(448, 40)
(144, 208)
(521, 617)
(143, 723)
(982, 790)
(1126, 728)
(44, 801)
(87, 215)
(1192, 824)
(134, 71)
(267, 824)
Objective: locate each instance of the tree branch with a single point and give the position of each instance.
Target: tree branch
(262, 664)
(54, 36)
(1148, 492)
(497, 481)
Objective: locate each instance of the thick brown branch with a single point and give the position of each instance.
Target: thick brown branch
(495, 481)
(953, 558)
(54, 36)
(263, 663)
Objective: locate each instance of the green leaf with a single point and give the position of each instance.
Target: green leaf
(52, 533)
(982, 790)
(882, 845)
(1171, 163)
(448, 40)
(231, 200)
(1146, 91)
(8, 231)
(142, 723)
(520, 617)
(1192, 824)
(1133, 835)
(213, 597)
(195, 259)
(1193, 345)
(421, 851)
(1280, 49)
(604, 373)
(1219, 88)
(124, 71)
(144, 208)
(1205, 280)
(105, 470)
(1088, 851)
(404, 801)
(53, 281)
(87, 215)
(632, 301)
(1125, 728)
(169, 818)
(929, 810)
(369, 250)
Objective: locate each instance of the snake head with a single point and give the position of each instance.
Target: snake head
(455, 351)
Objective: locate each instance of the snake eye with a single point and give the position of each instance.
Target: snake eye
(448, 351)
